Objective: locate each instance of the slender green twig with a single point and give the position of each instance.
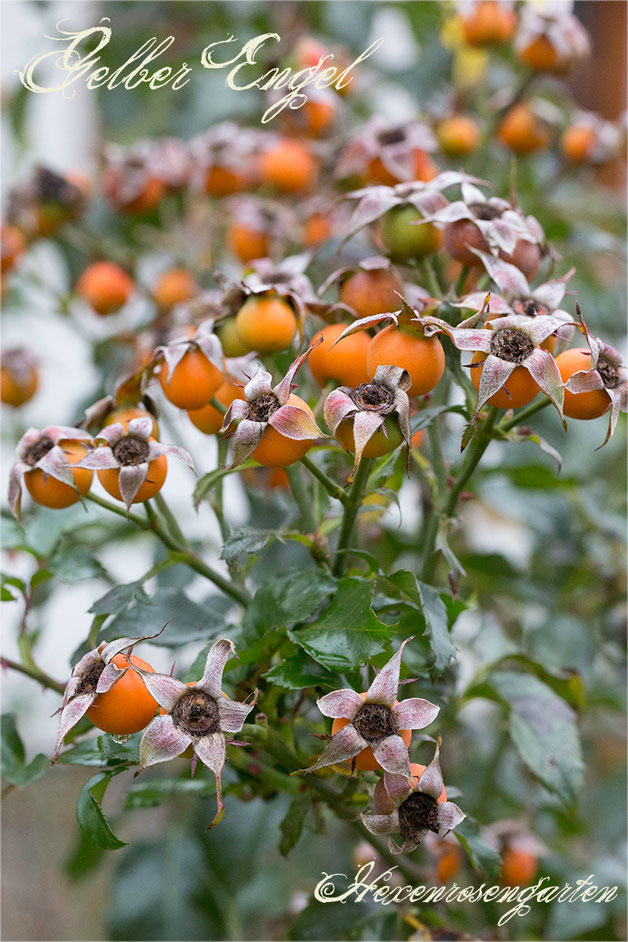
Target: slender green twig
(431, 280)
(476, 448)
(461, 475)
(34, 673)
(462, 278)
(169, 517)
(217, 502)
(333, 489)
(351, 509)
(522, 416)
(302, 500)
(185, 553)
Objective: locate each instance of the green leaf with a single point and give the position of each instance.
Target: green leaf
(71, 563)
(5, 595)
(348, 633)
(84, 857)
(14, 769)
(188, 621)
(89, 813)
(299, 672)
(481, 854)
(426, 600)
(153, 793)
(39, 577)
(543, 730)
(13, 581)
(289, 597)
(246, 540)
(119, 598)
(292, 825)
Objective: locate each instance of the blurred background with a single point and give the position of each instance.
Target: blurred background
(546, 554)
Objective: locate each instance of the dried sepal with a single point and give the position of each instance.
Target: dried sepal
(370, 405)
(92, 675)
(374, 721)
(204, 339)
(246, 419)
(131, 451)
(508, 342)
(608, 372)
(375, 201)
(197, 714)
(39, 448)
(412, 809)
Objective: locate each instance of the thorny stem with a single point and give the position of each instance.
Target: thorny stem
(34, 673)
(301, 498)
(334, 490)
(183, 550)
(472, 456)
(351, 508)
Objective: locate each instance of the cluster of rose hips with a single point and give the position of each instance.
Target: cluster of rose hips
(120, 694)
(514, 337)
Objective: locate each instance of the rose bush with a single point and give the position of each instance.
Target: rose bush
(379, 487)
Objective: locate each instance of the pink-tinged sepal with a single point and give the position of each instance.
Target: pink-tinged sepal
(584, 381)
(141, 427)
(340, 704)
(70, 715)
(247, 437)
(204, 340)
(495, 372)
(365, 424)
(343, 745)
(15, 487)
(552, 292)
(507, 277)
(260, 384)
(449, 817)
(431, 780)
(392, 755)
(407, 847)
(110, 677)
(235, 413)
(212, 752)
(381, 823)
(161, 742)
(219, 653)
(542, 368)
(163, 688)
(130, 480)
(384, 687)
(99, 459)
(382, 802)
(337, 407)
(283, 389)
(364, 323)
(233, 714)
(397, 787)
(475, 302)
(294, 422)
(415, 713)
